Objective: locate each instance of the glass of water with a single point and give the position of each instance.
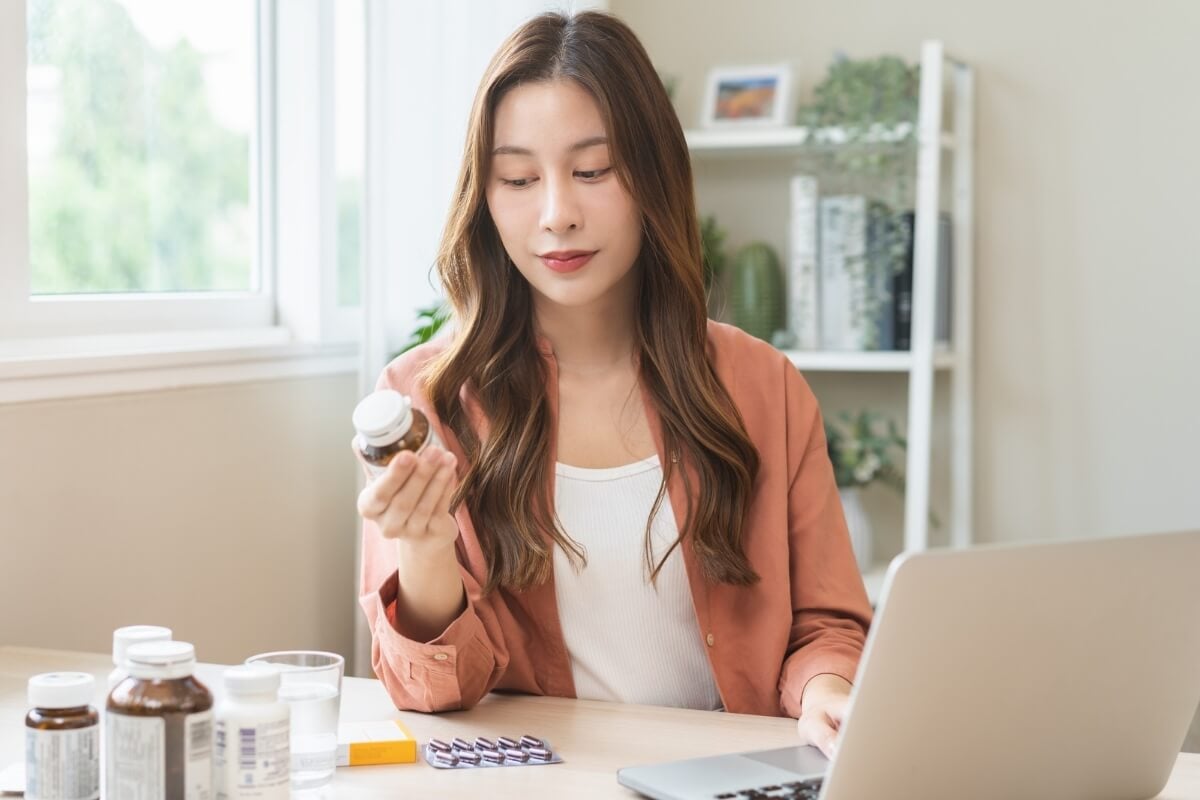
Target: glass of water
(310, 682)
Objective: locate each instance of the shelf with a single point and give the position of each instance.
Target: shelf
(876, 361)
(797, 139)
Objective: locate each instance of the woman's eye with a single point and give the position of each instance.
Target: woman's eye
(587, 175)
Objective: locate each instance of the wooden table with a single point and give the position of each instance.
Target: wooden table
(595, 739)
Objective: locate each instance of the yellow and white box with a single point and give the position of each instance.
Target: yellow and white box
(384, 742)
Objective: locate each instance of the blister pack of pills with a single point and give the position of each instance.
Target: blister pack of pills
(483, 752)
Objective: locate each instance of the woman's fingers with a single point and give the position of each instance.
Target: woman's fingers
(819, 732)
(409, 493)
(379, 492)
(427, 506)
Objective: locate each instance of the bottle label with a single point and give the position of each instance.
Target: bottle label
(136, 758)
(198, 752)
(250, 760)
(135, 753)
(62, 765)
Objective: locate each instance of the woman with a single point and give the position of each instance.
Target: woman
(637, 503)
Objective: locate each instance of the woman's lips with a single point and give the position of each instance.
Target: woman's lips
(569, 264)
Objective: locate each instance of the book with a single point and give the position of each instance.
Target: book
(882, 231)
(855, 273)
(902, 284)
(803, 283)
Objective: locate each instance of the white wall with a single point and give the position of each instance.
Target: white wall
(1088, 253)
(225, 512)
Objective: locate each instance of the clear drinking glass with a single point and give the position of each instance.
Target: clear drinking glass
(310, 682)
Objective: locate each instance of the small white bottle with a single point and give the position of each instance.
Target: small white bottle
(129, 635)
(252, 756)
(387, 425)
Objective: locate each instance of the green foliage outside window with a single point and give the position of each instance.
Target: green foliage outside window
(145, 189)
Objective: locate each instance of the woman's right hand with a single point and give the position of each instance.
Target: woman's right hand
(410, 500)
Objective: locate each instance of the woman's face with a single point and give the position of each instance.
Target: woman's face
(563, 216)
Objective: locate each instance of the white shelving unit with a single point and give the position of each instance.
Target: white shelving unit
(941, 76)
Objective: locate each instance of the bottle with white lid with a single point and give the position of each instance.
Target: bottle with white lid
(252, 756)
(62, 738)
(387, 425)
(158, 729)
(129, 635)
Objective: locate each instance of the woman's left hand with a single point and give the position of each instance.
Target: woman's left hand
(822, 709)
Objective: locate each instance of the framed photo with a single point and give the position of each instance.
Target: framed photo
(754, 96)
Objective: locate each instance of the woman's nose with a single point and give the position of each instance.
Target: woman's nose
(560, 208)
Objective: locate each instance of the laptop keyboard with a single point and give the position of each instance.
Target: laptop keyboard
(793, 790)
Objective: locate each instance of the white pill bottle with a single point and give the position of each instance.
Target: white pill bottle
(251, 754)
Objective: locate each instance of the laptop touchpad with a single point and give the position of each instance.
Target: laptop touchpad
(804, 760)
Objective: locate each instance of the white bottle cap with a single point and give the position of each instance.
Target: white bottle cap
(382, 417)
(134, 634)
(252, 679)
(161, 660)
(61, 690)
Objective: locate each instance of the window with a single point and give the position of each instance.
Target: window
(140, 184)
(180, 192)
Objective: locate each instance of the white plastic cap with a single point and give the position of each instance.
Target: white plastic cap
(252, 679)
(382, 417)
(134, 634)
(61, 690)
(162, 660)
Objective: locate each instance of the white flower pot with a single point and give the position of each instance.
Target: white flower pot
(859, 524)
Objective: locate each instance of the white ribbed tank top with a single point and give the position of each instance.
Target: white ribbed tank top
(628, 641)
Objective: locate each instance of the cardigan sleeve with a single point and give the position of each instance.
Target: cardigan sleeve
(452, 671)
(830, 609)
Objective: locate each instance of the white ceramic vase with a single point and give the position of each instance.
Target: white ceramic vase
(861, 536)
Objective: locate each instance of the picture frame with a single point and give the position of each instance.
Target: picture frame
(747, 96)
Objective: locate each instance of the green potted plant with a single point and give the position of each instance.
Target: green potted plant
(865, 447)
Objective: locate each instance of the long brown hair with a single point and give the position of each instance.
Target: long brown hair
(494, 355)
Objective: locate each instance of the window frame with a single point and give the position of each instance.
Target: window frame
(23, 315)
(293, 320)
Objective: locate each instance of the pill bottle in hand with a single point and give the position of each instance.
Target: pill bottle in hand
(387, 425)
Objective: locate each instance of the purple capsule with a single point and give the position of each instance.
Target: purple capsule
(439, 746)
(516, 754)
(449, 759)
(541, 753)
(484, 744)
(469, 757)
(507, 743)
(492, 756)
(460, 744)
(531, 741)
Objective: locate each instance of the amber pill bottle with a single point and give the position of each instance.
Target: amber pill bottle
(387, 425)
(62, 738)
(159, 727)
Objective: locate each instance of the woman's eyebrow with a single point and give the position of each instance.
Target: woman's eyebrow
(583, 144)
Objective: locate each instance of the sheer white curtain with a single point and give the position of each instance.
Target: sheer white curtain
(424, 62)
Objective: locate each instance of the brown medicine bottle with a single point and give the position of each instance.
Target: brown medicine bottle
(159, 727)
(62, 738)
(387, 425)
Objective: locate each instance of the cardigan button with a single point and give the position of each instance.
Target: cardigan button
(710, 639)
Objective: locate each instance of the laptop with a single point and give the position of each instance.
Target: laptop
(1050, 670)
